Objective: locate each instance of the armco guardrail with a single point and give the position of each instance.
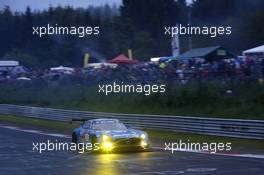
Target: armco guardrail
(253, 129)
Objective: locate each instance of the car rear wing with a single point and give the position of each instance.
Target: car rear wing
(78, 120)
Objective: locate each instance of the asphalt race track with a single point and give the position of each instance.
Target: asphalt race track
(17, 158)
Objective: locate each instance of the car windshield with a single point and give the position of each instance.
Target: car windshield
(109, 126)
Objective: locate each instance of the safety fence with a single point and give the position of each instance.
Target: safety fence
(251, 129)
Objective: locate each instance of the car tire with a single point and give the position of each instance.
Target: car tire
(74, 138)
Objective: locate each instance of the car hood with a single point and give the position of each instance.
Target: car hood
(116, 134)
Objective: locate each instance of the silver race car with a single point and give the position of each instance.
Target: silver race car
(107, 135)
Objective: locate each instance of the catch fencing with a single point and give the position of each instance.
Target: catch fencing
(251, 129)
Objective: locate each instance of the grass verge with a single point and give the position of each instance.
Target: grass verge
(197, 98)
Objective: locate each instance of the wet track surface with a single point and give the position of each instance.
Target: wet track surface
(17, 157)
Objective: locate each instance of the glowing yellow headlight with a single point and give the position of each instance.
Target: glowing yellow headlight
(143, 136)
(143, 144)
(106, 138)
(107, 146)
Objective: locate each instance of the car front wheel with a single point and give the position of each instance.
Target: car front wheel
(74, 138)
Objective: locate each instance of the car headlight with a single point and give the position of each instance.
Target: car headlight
(143, 136)
(106, 138)
(107, 146)
(143, 143)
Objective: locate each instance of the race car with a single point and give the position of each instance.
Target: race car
(108, 135)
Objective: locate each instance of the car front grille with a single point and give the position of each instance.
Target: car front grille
(127, 141)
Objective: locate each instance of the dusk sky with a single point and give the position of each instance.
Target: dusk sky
(20, 5)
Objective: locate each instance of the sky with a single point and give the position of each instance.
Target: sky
(20, 5)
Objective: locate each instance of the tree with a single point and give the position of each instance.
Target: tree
(148, 19)
(6, 30)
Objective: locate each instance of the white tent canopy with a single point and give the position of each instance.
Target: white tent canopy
(9, 63)
(156, 59)
(99, 65)
(62, 68)
(259, 49)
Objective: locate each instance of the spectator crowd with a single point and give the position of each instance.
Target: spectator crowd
(147, 72)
